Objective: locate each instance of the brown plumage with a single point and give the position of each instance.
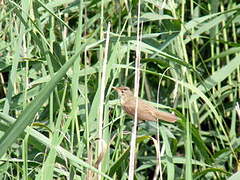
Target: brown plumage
(145, 110)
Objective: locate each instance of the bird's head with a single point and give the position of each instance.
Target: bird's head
(123, 91)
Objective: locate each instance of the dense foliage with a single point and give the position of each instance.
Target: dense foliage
(61, 119)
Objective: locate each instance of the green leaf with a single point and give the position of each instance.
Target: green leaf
(27, 116)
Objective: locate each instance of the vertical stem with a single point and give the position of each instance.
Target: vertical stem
(102, 95)
(136, 87)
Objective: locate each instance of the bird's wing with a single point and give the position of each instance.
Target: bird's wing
(144, 111)
(147, 111)
(152, 114)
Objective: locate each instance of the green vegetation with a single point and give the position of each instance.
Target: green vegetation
(61, 119)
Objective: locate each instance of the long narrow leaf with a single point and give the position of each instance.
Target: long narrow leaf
(30, 111)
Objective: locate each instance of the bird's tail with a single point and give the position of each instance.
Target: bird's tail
(166, 116)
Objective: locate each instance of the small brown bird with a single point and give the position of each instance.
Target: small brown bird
(145, 110)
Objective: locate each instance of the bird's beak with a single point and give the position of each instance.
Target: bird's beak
(115, 88)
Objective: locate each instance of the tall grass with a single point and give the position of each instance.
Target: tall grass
(60, 119)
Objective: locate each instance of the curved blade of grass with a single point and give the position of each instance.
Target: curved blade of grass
(120, 165)
(201, 174)
(62, 153)
(53, 14)
(29, 112)
(149, 48)
(170, 164)
(41, 140)
(229, 51)
(217, 77)
(198, 141)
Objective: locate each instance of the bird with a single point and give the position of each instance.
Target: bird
(145, 111)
